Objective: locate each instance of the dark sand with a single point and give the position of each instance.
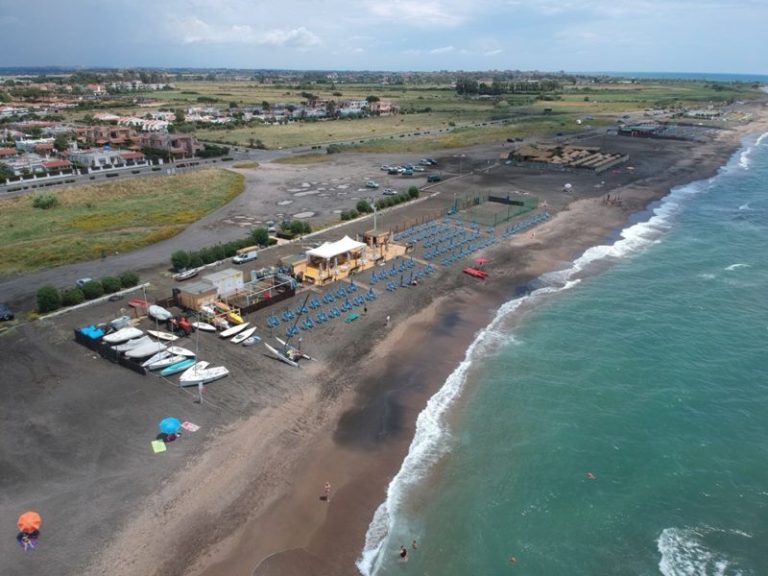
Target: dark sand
(242, 495)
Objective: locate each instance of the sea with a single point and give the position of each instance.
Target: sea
(615, 419)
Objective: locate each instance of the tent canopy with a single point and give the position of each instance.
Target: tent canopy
(330, 249)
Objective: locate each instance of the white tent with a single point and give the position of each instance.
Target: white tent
(332, 249)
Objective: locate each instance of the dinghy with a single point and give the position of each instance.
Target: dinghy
(165, 362)
(194, 369)
(178, 367)
(122, 335)
(251, 341)
(204, 326)
(156, 358)
(280, 356)
(159, 313)
(136, 342)
(179, 351)
(237, 338)
(160, 335)
(148, 349)
(234, 330)
(296, 350)
(203, 376)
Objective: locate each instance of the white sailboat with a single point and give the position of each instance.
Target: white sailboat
(237, 338)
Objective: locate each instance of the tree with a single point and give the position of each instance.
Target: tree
(260, 236)
(45, 200)
(180, 260)
(364, 207)
(413, 192)
(180, 116)
(372, 98)
(297, 227)
(61, 142)
(6, 172)
(48, 299)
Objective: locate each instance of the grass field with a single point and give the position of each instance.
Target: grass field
(118, 216)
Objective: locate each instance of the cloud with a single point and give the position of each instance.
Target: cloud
(193, 30)
(442, 50)
(418, 12)
(494, 52)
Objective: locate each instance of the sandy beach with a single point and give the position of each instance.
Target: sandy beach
(243, 495)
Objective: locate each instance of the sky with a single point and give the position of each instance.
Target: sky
(395, 35)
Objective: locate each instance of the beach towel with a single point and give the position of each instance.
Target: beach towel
(190, 427)
(352, 317)
(158, 446)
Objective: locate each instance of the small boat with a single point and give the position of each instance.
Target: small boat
(138, 303)
(178, 367)
(136, 342)
(122, 335)
(159, 313)
(475, 272)
(156, 358)
(296, 350)
(160, 335)
(194, 369)
(165, 362)
(222, 306)
(221, 323)
(148, 349)
(234, 330)
(186, 274)
(234, 317)
(282, 357)
(239, 337)
(204, 326)
(252, 340)
(206, 309)
(179, 351)
(203, 376)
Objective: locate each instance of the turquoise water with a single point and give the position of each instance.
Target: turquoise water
(622, 426)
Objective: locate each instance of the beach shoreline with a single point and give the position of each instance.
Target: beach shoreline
(248, 500)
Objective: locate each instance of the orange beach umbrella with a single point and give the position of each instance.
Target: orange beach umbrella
(29, 522)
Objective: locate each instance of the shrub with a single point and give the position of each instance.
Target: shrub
(110, 284)
(72, 296)
(195, 261)
(129, 279)
(92, 289)
(364, 207)
(349, 214)
(259, 236)
(297, 227)
(413, 192)
(218, 252)
(48, 299)
(307, 227)
(207, 255)
(45, 200)
(333, 149)
(180, 260)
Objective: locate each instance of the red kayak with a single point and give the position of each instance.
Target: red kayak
(475, 272)
(138, 303)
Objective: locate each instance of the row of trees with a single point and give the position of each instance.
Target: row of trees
(364, 207)
(188, 259)
(49, 298)
(471, 86)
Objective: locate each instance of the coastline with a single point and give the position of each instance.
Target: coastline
(333, 539)
(247, 501)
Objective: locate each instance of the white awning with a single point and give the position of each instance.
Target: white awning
(331, 249)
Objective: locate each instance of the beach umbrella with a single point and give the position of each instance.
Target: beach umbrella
(29, 522)
(169, 425)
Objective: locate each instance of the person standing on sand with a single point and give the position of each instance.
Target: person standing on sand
(327, 491)
(387, 319)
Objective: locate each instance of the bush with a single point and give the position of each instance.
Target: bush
(48, 299)
(110, 284)
(45, 200)
(333, 149)
(297, 227)
(195, 261)
(364, 207)
(72, 296)
(207, 255)
(129, 279)
(218, 252)
(413, 192)
(307, 227)
(92, 289)
(259, 236)
(180, 260)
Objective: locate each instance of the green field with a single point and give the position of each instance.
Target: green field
(118, 216)
(437, 115)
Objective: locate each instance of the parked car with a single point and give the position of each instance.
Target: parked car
(5, 312)
(371, 184)
(82, 282)
(434, 178)
(390, 191)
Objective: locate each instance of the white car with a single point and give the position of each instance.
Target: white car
(390, 192)
(82, 282)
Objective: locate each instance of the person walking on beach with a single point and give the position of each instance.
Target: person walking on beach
(387, 319)
(327, 492)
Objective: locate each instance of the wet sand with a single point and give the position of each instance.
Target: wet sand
(242, 495)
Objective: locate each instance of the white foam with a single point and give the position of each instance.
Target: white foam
(737, 266)
(746, 155)
(683, 553)
(432, 437)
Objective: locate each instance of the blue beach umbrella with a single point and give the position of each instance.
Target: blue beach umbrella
(169, 425)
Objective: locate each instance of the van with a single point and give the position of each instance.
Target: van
(434, 178)
(246, 254)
